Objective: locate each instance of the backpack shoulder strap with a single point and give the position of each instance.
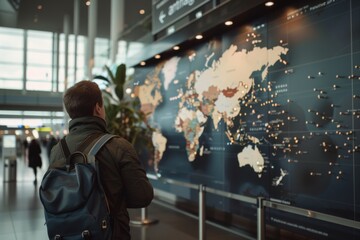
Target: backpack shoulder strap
(66, 151)
(64, 147)
(98, 145)
(91, 159)
(88, 141)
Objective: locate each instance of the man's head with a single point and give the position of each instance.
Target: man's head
(84, 99)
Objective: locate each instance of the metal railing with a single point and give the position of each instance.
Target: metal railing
(260, 202)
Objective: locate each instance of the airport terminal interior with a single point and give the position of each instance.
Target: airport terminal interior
(245, 114)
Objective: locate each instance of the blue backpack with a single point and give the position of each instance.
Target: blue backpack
(73, 198)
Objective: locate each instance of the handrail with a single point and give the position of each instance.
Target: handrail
(234, 196)
(260, 202)
(313, 214)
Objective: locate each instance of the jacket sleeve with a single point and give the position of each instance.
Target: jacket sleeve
(138, 190)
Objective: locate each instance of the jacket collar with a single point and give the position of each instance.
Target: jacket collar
(87, 123)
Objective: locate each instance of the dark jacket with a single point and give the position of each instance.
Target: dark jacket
(122, 176)
(34, 154)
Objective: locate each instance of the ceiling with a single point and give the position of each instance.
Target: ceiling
(48, 15)
(26, 14)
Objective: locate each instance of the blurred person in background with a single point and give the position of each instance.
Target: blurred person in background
(34, 157)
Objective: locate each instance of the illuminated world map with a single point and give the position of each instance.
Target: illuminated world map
(269, 109)
(215, 92)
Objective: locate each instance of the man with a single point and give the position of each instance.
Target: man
(124, 180)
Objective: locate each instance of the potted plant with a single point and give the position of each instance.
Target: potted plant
(123, 114)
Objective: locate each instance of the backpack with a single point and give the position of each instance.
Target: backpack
(73, 198)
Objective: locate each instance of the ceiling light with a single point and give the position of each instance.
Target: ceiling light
(157, 56)
(199, 36)
(87, 3)
(176, 48)
(143, 63)
(269, 3)
(128, 90)
(229, 23)
(39, 7)
(142, 11)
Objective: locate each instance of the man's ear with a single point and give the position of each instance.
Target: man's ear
(97, 110)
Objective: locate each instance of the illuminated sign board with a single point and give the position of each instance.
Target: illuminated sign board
(166, 12)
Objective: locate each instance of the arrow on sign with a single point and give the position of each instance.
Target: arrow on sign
(162, 15)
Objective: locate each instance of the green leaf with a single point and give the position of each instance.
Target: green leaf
(120, 75)
(111, 75)
(119, 90)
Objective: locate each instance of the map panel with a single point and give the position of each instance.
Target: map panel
(270, 109)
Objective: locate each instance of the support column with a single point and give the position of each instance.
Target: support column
(144, 220)
(116, 26)
(92, 31)
(202, 215)
(76, 33)
(25, 36)
(66, 64)
(57, 63)
(260, 219)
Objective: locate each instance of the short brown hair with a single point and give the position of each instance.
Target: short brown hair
(80, 99)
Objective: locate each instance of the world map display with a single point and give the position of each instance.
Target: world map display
(268, 109)
(206, 97)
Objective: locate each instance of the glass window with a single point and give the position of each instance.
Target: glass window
(11, 84)
(80, 60)
(11, 61)
(41, 58)
(80, 74)
(101, 55)
(10, 55)
(11, 38)
(41, 74)
(38, 86)
(38, 40)
(10, 112)
(11, 71)
(39, 61)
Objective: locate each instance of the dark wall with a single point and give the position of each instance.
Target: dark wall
(267, 109)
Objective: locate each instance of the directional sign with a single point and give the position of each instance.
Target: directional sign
(162, 16)
(166, 12)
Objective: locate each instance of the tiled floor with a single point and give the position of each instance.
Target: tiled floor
(21, 214)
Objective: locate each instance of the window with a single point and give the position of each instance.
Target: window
(39, 61)
(80, 60)
(11, 61)
(101, 55)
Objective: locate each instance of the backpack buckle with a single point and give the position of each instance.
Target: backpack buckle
(86, 235)
(57, 237)
(104, 225)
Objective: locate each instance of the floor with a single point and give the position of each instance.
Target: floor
(21, 213)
